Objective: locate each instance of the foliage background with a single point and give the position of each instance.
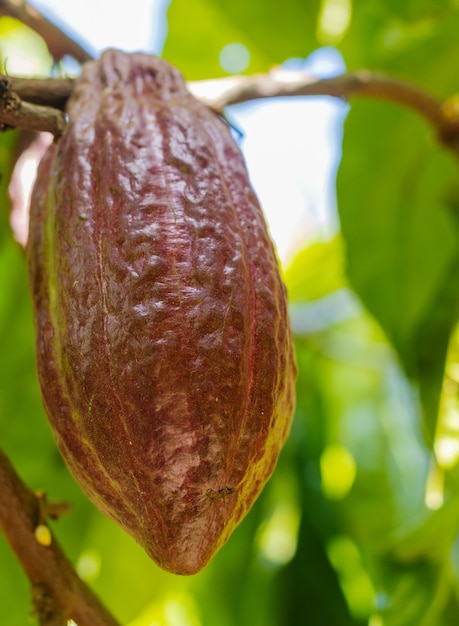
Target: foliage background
(359, 523)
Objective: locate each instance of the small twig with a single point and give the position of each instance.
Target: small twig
(59, 43)
(54, 510)
(58, 593)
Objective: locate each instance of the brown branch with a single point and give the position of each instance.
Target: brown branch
(33, 117)
(53, 92)
(222, 92)
(58, 593)
(59, 43)
(16, 113)
(219, 93)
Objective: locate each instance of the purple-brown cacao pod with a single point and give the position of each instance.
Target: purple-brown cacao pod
(163, 344)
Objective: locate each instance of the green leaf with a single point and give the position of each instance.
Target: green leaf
(316, 271)
(22, 50)
(199, 30)
(394, 186)
(403, 37)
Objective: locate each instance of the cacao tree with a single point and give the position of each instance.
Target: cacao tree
(358, 523)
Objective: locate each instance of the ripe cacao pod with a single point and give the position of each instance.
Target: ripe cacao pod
(164, 348)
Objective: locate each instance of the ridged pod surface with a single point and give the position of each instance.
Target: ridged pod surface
(163, 344)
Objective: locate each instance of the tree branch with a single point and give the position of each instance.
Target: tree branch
(59, 43)
(58, 593)
(53, 92)
(222, 92)
(18, 114)
(219, 93)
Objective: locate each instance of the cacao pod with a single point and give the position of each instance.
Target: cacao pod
(163, 344)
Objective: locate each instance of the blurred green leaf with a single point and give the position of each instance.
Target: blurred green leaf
(198, 31)
(394, 185)
(22, 51)
(403, 37)
(316, 271)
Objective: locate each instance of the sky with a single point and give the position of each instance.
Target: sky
(291, 146)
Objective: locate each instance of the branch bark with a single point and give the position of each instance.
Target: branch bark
(17, 113)
(219, 93)
(53, 92)
(57, 592)
(222, 92)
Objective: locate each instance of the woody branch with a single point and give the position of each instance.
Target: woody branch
(37, 104)
(57, 592)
